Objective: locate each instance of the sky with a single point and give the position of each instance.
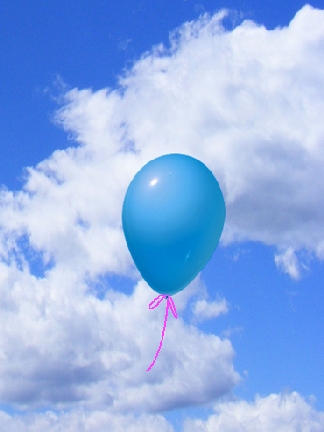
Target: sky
(90, 92)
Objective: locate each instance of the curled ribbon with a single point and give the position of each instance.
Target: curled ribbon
(170, 305)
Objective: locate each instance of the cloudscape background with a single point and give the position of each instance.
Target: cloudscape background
(90, 92)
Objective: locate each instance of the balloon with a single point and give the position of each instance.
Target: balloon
(173, 215)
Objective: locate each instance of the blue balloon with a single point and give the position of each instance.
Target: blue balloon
(173, 215)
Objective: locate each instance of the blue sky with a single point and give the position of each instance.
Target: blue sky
(76, 334)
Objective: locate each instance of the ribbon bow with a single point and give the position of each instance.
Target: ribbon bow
(170, 305)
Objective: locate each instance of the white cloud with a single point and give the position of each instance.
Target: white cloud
(289, 262)
(249, 104)
(280, 413)
(62, 347)
(207, 310)
(79, 421)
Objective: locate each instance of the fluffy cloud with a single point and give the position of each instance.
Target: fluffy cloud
(282, 413)
(203, 309)
(248, 103)
(63, 348)
(79, 421)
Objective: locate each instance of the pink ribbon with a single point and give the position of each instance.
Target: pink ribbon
(170, 305)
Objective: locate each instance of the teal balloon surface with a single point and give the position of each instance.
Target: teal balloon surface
(173, 216)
